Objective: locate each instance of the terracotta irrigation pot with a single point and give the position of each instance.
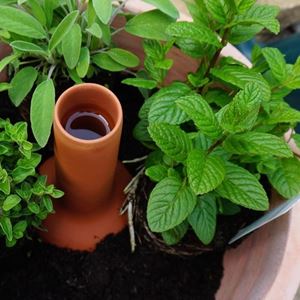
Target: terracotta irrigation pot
(85, 170)
(267, 264)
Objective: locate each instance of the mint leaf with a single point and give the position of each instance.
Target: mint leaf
(257, 143)
(140, 131)
(172, 140)
(244, 5)
(194, 31)
(150, 25)
(264, 15)
(201, 114)
(157, 173)
(240, 76)
(166, 6)
(241, 114)
(170, 202)
(285, 179)
(276, 62)
(205, 172)
(174, 235)
(242, 188)
(296, 138)
(6, 226)
(283, 113)
(203, 219)
(163, 107)
(218, 10)
(243, 33)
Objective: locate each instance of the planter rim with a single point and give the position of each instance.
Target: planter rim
(92, 86)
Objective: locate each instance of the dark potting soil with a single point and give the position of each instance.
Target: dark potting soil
(35, 270)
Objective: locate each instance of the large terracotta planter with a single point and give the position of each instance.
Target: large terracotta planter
(85, 170)
(267, 264)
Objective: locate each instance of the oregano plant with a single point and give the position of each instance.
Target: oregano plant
(25, 197)
(57, 39)
(215, 134)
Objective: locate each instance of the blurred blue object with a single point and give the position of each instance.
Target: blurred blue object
(290, 46)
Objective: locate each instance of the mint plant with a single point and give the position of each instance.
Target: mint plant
(54, 39)
(215, 134)
(25, 197)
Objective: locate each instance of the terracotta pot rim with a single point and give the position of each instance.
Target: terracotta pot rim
(94, 141)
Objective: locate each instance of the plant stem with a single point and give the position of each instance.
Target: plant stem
(52, 68)
(118, 30)
(117, 10)
(217, 54)
(217, 143)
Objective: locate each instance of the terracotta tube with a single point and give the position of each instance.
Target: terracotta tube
(85, 170)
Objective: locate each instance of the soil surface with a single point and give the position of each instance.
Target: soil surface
(34, 270)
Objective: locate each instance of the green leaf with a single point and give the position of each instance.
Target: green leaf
(240, 76)
(257, 143)
(283, 113)
(83, 63)
(276, 62)
(21, 84)
(103, 9)
(174, 235)
(6, 226)
(37, 11)
(241, 114)
(264, 15)
(41, 111)
(123, 57)
(57, 194)
(243, 33)
(4, 86)
(166, 6)
(140, 83)
(17, 21)
(242, 188)
(218, 10)
(172, 140)
(20, 173)
(95, 30)
(169, 204)
(28, 47)
(205, 172)
(140, 131)
(47, 202)
(227, 207)
(104, 61)
(201, 114)
(197, 32)
(63, 29)
(157, 173)
(71, 46)
(7, 60)
(34, 208)
(19, 229)
(285, 179)
(150, 25)
(10, 202)
(244, 5)
(203, 219)
(163, 107)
